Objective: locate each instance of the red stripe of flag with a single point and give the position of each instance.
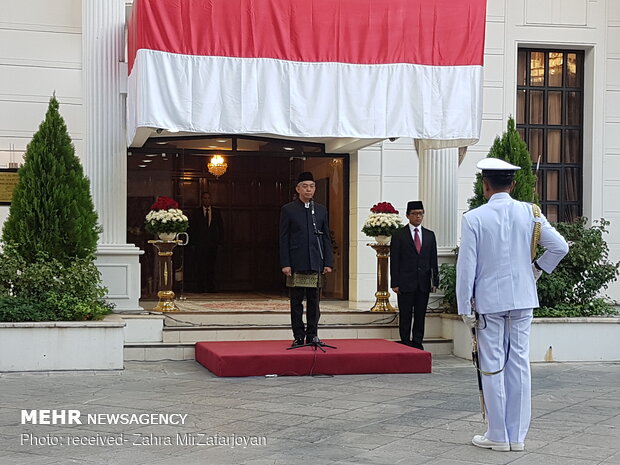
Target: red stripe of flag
(426, 32)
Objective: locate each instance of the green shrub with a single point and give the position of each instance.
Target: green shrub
(573, 289)
(71, 308)
(447, 284)
(67, 291)
(597, 307)
(22, 309)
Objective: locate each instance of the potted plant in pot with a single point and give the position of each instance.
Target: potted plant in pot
(50, 288)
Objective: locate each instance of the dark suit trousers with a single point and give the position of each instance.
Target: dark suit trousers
(206, 269)
(312, 311)
(412, 306)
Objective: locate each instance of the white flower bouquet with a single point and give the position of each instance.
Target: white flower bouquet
(382, 221)
(165, 217)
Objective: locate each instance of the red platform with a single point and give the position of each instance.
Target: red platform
(352, 356)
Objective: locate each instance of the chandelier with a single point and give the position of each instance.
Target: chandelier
(217, 166)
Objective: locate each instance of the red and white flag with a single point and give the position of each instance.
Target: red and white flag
(308, 68)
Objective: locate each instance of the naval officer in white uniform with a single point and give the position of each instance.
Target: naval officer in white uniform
(494, 270)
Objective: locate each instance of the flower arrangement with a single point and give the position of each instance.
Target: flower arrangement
(382, 221)
(165, 217)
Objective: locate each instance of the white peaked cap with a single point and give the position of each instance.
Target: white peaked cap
(495, 164)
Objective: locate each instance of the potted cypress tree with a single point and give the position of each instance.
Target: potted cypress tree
(49, 285)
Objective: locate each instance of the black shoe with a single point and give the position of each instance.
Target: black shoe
(417, 345)
(297, 343)
(312, 339)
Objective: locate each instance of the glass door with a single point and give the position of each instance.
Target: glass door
(259, 179)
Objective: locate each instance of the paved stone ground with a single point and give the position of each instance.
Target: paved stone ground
(369, 419)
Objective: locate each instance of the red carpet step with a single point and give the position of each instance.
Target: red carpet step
(352, 356)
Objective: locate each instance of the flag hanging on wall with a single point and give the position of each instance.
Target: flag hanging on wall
(308, 68)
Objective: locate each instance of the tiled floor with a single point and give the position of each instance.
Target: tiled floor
(370, 419)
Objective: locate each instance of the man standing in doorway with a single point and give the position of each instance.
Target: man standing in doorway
(495, 270)
(205, 234)
(305, 256)
(414, 273)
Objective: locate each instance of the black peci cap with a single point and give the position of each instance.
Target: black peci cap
(305, 176)
(414, 205)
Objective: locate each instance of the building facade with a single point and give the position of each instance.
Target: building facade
(554, 65)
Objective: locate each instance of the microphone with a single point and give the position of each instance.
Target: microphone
(317, 233)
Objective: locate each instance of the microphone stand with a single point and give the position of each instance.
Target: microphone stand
(316, 342)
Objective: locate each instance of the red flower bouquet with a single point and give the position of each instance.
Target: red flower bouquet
(165, 217)
(384, 207)
(164, 203)
(382, 221)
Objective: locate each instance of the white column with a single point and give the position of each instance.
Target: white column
(105, 158)
(439, 192)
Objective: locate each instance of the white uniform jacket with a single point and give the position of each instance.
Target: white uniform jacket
(494, 263)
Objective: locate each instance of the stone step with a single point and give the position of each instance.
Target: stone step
(195, 334)
(150, 328)
(182, 319)
(252, 321)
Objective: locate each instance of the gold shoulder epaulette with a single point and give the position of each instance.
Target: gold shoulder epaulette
(536, 231)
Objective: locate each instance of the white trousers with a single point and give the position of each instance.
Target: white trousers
(508, 394)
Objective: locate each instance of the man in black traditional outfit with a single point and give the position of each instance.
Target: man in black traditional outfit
(305, 255)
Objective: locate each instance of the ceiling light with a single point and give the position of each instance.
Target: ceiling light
(161, 142)
(288, 148)
(221, 140)
(151, 155)
(217, 166)
(147, 161)
(142, 166)
(211, 146)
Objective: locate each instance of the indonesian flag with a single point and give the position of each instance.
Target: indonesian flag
(309, 68)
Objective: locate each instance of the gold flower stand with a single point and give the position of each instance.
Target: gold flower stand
(382, 304)
(165, 294)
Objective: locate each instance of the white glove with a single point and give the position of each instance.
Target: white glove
(470, 320)
(537, 273)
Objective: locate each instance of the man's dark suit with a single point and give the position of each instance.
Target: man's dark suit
(414, 274)
(299, 249)
(205, 239)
